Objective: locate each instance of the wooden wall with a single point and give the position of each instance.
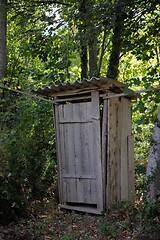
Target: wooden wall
(120, 154)
(79, 155)
(95, 153)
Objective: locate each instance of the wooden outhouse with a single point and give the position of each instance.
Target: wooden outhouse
(94, 143)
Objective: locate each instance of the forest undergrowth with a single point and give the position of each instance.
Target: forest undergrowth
(126, 220)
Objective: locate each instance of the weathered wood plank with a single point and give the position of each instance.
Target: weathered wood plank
(77, 91)
(119, 149)
(79, 176)
(86, 131)
(64, 132)
(124, 151)
(73, 122)
(64, 152)
(58, 153)
(104, 149)
(73, 99)
(91, 157)
(78, 152)
(81, 170)
(130, 151)
(63, 163)
(82, 209)
(71, 154)
(131, 167)
(78, 134)
(112, 149)
(97, 148)
(124, 162)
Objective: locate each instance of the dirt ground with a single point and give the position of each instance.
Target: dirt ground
(48, 222)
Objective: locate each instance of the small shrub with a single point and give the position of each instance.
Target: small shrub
(27, 154)
(67, 236)
(109, 229)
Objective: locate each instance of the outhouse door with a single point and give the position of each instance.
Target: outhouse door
(79, 155)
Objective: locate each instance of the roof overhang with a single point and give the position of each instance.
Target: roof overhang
(80, 86)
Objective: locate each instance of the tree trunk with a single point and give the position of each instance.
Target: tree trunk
(84, 60)
(117, 40)
(83, 40)
(103, 47)
(3, 17)
(93, 56)
(153, 167)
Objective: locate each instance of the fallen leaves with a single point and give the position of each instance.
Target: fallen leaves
(50, 223)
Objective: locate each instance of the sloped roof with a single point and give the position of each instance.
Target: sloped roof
(93, 83)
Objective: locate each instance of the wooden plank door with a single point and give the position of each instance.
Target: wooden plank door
(120, 158)
(79, 155)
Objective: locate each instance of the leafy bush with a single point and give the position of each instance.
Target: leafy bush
(27, 156)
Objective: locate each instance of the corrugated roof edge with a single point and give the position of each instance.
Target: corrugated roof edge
(87, 83)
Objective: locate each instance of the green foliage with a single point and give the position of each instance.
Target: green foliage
(118, 220)
(27, 151)
(109, 230)
(67, 237)
(139, 69)
(124, 217)
(149, 217)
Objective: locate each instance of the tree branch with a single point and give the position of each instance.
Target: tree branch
(41, 2)
(51, 2)
(103, 48)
